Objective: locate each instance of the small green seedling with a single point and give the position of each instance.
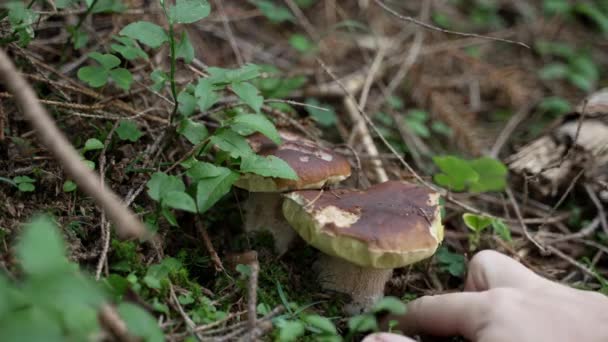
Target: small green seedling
(478, 223)
(25, 183)
(98, 76)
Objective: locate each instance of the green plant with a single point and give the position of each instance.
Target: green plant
(478, 223)
(452, 263)
(575, 66)
(25, 183)
(478, 175)
(53, 300)
(21, 19)
(98, 76)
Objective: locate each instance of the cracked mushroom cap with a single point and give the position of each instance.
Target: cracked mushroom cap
(315, 166)
(390, 225)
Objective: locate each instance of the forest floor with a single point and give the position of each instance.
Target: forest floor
(447, 108)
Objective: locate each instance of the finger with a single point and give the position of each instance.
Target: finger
(386, 337)
(444, 315)
(489, 269)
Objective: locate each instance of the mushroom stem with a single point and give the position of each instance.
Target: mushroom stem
(263, 213)
(364, 285)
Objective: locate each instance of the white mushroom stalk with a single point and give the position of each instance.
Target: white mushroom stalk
(315, 167)
(366, 234)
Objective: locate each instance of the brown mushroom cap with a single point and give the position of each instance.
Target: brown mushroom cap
(314, 165)
(390, 225)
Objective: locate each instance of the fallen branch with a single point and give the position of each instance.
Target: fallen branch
(435, 28)
(127, 225)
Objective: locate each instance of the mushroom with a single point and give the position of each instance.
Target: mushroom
(366, 234)
(315, 167)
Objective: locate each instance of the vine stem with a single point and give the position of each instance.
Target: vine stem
(173, 62)
(86, 14)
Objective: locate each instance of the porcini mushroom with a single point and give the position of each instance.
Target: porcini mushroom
(315, 167)
(366, 234)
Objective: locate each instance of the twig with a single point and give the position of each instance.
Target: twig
(310, 30)
(366, 139)
(524, 227)
(562, 198)
(189, 323)
(435, 28)
(571, 261)
(125, 221)
(252, 297)
(229, 33)
(509, 128)
(105, 227)
(217, 262)
(111, 321)
(598, 204)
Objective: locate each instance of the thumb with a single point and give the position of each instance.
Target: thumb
(386, 337)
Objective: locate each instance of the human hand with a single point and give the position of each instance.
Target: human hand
(505, 301)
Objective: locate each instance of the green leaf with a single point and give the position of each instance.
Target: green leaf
(476, 223)
(492, 175)
(146, 32)
(41, 250)
(193, 131)
(26, 187)
(107, 6)
(127, 130)
(456, 174)
(290, 330)
(267, 166)
(324, 118)
(592, 12)
(140, 323)
(200, 170)
(79, 37)
(391, 305)
(23, 179)
(211, 190)
(128, 48)
(258, 123)
(95, 76)
(159, 78)
(502, 230)
(301, 43)
(69, 186)
(362, 323)
(186, 103)
(189, 11)
(249, 94)
(179, 200)
(584, 66)
(205, 94)
(274, 13)
(554, 71)
(160, 184)
(582, 82)
(451, 262)
(184, 48)
(322, 323)
(108, 61)
(61, 4)
(416, 121)
(92, 144)
(229, 141)
(227, 76)
(122, 77)
(31, 324)
(555, 105)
